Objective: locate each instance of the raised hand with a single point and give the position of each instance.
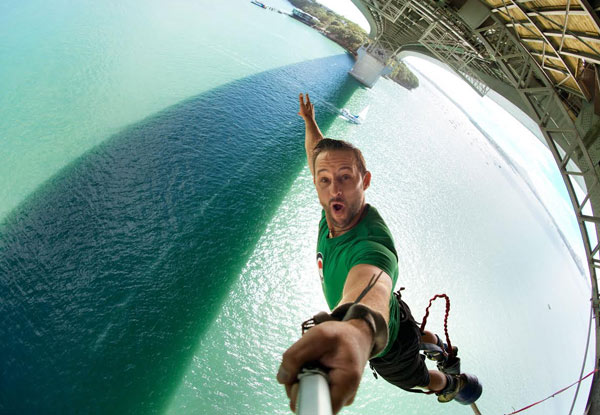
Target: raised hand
(307, 109)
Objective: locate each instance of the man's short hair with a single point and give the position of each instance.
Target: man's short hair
(327, 144)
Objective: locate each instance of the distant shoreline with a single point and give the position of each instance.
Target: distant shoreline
(335, 27)
(579, 262)
(347, 34)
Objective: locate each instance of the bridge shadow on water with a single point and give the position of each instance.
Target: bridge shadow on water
(111, 271)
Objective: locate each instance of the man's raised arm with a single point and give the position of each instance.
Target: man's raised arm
(313, 135)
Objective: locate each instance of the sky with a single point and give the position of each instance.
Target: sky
(347, 9)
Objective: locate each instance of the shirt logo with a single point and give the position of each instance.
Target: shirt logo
(320, 265)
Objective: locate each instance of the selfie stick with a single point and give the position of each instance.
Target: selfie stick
(313, 393)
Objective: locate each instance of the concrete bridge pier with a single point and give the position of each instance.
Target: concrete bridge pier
(370, 65)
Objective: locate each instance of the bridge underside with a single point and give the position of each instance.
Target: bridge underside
(541, 55)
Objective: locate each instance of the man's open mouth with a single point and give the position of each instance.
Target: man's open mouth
(337, 207)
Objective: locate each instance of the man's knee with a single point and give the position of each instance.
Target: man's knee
(429, 337)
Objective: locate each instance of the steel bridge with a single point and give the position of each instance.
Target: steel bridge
(541, 55)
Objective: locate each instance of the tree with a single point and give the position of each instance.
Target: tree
(402, 75)
(347, 34)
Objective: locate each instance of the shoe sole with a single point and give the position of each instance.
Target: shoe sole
(471, 391)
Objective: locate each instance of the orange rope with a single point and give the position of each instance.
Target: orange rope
(435, 297)
(555, 393)
(451, 351)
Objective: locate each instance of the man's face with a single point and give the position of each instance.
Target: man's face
(340, 187)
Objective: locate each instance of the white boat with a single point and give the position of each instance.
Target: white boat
(350, 117)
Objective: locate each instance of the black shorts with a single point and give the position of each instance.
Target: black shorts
(403, 365)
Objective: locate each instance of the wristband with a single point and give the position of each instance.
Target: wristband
(351, 311)
(374, 320)
(337, 314)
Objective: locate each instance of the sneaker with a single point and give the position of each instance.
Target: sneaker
(433, 352)
(463, 388)
(450, 365)
(455, 384)
(447, 364)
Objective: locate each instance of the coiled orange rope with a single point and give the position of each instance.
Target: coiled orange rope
(435, 297)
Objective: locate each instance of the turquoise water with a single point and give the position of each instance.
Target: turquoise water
(77, 72)
(158, 222)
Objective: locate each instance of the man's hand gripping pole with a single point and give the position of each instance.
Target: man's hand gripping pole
(354, 310)
(313, 391)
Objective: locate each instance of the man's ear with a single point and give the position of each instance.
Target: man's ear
(367, 180)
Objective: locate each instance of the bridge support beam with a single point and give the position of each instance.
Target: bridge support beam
(369, 67)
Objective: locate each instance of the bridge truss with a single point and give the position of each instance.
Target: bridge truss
(544, 50)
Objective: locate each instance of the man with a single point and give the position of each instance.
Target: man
(359, 267)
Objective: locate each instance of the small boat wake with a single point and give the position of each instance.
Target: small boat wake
(345, 113)
(355, 119)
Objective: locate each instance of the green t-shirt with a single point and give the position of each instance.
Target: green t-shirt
(369, 242)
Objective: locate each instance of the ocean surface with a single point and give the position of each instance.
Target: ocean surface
(158, 221)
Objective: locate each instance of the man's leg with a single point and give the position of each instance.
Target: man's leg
(404, 366)
(446, 363)
(437, 381)
(449, 383)
(429, 337)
